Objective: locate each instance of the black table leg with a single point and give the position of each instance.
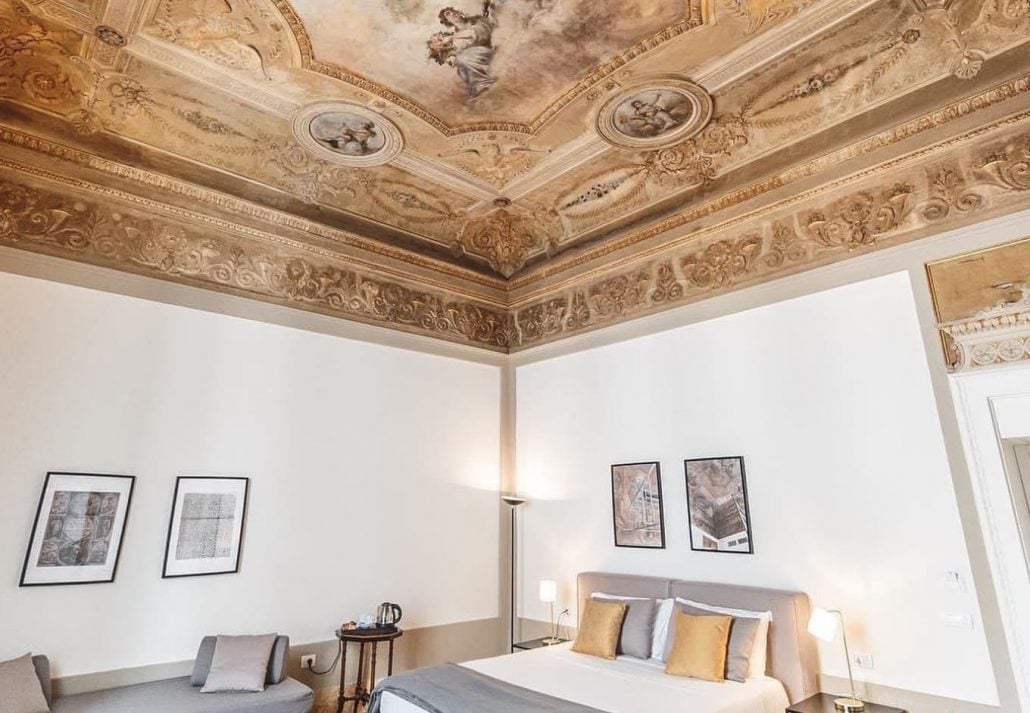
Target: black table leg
(389, 669)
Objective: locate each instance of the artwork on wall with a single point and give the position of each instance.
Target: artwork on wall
(717, 505)
(77, 534)
(205, 533)
(637, 505)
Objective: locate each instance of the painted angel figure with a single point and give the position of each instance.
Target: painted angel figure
(653, 117)
(466, 44)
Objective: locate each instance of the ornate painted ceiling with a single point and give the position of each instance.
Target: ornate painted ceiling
(503, 173)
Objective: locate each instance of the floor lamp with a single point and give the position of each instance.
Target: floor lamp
(513, 502)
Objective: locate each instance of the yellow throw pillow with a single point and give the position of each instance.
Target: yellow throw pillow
(699, 648)
(599, 628)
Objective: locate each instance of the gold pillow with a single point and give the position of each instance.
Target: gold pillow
(699, 647)
(599, 628)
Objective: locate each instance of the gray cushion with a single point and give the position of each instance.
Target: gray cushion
(240, 663)
(42, 666)
(276, 662)
(20, 688)
(741, 643)
(178, 696)
(637, 627)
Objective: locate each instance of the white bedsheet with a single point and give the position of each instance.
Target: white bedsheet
(626, 685)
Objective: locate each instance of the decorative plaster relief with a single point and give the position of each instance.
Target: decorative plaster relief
(56, 223)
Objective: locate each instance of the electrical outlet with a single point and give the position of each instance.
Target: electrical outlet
(308, 662)
(863, 661)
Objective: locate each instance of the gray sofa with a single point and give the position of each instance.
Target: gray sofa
(182, 695)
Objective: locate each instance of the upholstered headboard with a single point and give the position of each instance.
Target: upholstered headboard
(792, 655)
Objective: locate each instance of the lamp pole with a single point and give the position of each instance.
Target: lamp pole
(513, 502)
(853, 704)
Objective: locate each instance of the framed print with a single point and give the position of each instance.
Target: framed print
(205, 533)
(77, 534)
(637, 505)
(717, 505)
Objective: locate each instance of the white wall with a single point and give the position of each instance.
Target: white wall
(369, 467)
(828, 399)
(993, 404)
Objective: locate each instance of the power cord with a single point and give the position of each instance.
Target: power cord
(339, 653)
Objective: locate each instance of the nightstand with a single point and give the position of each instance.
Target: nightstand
(823, 703)
(533, 644)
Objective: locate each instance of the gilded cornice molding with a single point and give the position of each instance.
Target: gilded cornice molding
(979, 174)
(223, 201)
(937, 119)
(940, 190)
(125, 237)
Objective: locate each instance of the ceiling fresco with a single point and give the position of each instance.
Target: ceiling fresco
(470, 61)
(549, 165)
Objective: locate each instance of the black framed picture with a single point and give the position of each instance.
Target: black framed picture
(717, 507)
(77, 534)
(205, 531)
(637, 514)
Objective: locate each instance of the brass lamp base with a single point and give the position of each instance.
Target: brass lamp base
(849, 705)
(551, 641)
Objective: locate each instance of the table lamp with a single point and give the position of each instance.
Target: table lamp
(548, 594)
(824, 625)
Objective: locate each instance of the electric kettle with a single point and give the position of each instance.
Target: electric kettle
(388, 614)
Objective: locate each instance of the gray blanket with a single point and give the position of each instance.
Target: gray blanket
(456, 689)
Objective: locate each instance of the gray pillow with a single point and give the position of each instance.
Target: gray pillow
(20, 689)
(240, 663)
(637, 627)
(741, 643)
(42, 666)
(206, 652)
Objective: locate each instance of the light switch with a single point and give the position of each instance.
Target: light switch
(958, 621)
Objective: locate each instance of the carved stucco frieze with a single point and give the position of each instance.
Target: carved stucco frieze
(996, 174)
(81, 228)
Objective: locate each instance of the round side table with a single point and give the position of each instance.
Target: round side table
(366, 679)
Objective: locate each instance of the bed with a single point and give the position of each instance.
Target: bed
(629, 685)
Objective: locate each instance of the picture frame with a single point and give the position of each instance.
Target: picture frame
(718, 512)
(78, 530)
(206, 526)
(638, 512)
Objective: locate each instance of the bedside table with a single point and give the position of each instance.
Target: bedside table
(533, 644)
(823, 703)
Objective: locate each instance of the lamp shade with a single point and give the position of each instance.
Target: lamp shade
(824, 624)
(548, 590)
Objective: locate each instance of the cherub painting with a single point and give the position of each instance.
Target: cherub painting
(346, 133)
(652, 113)
(466, 43)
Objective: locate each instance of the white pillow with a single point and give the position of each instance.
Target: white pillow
(758, 650)
(663, 618)
(654, 625)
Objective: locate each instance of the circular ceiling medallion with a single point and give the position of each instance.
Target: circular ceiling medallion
(109, 36)
(347, 133)
(656, 112)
